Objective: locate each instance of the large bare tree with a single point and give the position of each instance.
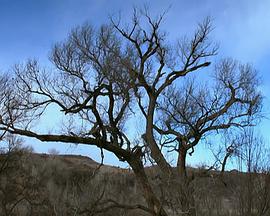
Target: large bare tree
(104, 79)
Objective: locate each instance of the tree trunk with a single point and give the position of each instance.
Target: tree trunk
(181, 163)
(156, 153)
(224, 162)
(188, 202)
(150, 197)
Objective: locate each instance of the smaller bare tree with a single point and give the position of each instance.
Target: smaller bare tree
(253, 191)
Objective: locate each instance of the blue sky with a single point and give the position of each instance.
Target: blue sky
(29, 28)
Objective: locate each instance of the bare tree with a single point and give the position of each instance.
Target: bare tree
(253, 194)
(230, 148)
(104, 78)
(13, 192)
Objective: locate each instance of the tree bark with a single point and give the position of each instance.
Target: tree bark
(188, 202)
(148, 193)
(181, 163)
(224, 162)
(156, 154)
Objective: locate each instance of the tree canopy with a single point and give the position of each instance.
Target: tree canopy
(102, 78)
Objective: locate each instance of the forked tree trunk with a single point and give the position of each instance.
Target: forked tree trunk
(148, 193)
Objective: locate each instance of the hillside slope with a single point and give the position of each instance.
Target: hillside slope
(40, 184)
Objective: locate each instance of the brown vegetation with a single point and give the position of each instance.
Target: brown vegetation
(40, 184)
